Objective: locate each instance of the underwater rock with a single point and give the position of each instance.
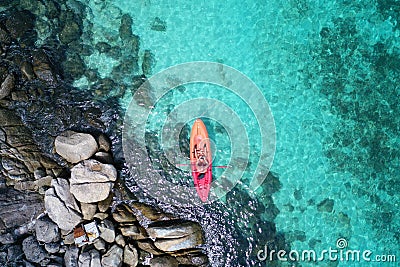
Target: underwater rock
(159, 25)
(75, 147)
(71, 31)
(326, 205)
(125, 29)
(43, 68)
(74, 66)
(18, 23)
(91, 181)
(103, 47)
(148, 62)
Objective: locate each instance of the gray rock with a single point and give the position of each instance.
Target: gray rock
(88, 210)
(164, 261)
(65, 217)
(107, 231)
(71, 257)
(100, 245)
(33, 251)
(101, 215)
(68, 238)
(84, 259)
(62, 189)
(105, 204)
(119, 239)
(132, 231)
(113, 257)
(131, 256)
(18, 208)
(148, 246)
(176, 235)
(7, 239)
(91, 181)
(7, 85)
(52, 248)
(95, 258)
(75, 147)
(46, 230)
(14, 253)
(89, 259)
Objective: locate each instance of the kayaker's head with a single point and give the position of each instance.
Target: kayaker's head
(202, 161)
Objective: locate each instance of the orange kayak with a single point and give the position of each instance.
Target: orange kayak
(201, 159)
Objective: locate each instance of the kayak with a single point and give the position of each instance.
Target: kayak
(201, 159)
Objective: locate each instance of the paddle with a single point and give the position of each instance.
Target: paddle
(212, 166)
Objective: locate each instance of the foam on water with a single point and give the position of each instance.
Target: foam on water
(275, 44)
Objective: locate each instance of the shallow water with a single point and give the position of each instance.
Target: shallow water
(329, 71)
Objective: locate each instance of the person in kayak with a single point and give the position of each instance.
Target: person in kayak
(201, 163)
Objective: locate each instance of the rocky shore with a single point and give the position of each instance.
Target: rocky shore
(130, 233)
(48, 198)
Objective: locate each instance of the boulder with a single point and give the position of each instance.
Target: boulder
(88, 210)
(7, 86)
(193, 259)
(123, 213)
(164, 261)
(91, 181)
(107, 231)
(52, 248)
(71, 257)
(33, 251)
(131, 256)
(89, 259)
(176, 235)
(105, 204)
(133, 231)
(46, 230)
(120, 240)
(113, 257)
(62, 208)
(75, 147)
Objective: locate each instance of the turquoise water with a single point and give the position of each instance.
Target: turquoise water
(329, 71)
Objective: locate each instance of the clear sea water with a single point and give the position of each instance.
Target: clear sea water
(330, 73)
